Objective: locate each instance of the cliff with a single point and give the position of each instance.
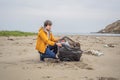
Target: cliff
(112, 28)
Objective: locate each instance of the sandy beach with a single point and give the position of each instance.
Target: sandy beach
(20, 61)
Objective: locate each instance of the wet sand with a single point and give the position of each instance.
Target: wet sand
(20, 61)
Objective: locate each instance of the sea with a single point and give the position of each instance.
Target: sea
(87, 34)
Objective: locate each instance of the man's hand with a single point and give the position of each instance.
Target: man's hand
(59, 44)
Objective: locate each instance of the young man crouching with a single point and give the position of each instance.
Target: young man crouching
(46, 44)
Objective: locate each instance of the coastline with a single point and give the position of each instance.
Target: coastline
(87, 34)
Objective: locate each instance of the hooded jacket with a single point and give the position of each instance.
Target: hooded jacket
(43, 41)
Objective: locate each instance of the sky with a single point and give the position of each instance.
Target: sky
(68, 16)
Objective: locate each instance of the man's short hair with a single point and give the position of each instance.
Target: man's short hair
(47, 22)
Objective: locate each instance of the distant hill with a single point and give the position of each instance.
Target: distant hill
(112, 28)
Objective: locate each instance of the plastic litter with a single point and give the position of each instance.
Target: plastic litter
(94, 52)
(109, 45)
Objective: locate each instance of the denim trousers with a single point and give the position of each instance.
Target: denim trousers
(50, 52)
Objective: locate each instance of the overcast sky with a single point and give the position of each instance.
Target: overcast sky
(73, 16)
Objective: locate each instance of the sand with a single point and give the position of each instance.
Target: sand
(20, 61)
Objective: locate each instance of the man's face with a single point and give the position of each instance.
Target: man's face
(48, 27)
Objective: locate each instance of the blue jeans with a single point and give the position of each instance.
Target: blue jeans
(50, 52)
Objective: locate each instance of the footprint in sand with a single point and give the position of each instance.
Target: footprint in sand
(24, 68)
(5, 67)
(46, 77)
(39, 67)
(83, 66)
(106, 78)
(10, 39)
(1, 54)
(98, 78)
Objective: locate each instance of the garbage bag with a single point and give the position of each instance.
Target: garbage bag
(70, 50)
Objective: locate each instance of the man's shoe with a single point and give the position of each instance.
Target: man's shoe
(41, 58)
(56, 56)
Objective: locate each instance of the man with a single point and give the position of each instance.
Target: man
(46, 43)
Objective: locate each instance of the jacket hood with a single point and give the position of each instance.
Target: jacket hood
(41, 28)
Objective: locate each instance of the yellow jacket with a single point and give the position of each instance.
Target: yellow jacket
(43, 40)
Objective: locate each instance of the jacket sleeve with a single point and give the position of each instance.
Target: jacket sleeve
(45, 39)
(53, 38)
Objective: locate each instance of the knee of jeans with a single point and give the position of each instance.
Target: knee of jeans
(52, 55)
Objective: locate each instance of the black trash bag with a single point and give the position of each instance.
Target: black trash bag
(70, 51)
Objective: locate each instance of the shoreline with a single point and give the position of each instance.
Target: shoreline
(88, 34)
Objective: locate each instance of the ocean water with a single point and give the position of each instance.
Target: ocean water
(91, 34)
